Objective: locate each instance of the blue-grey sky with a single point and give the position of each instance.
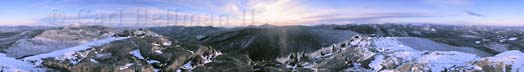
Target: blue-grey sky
(276, 12)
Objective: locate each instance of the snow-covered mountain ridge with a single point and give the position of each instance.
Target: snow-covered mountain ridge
(390, 54)
(56, 39)
(31, 63)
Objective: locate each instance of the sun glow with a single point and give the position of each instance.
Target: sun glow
(279, 12)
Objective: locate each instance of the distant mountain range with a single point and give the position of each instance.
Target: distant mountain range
(352, 47)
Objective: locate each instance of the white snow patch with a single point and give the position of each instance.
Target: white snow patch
(152, 61)
(513, 38)
(166, 43)
(126, 66)
(291, 66)
(377, 63)
(93, 60)
(156, 70)
(502, 40)
(155, 44)
(158, 51)
(356, 64)
(477, 42)
(432, 29)
(308, 65)
(188, 66)
(137, 54)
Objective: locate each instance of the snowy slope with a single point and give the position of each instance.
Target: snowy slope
(440, 60)
(393, 50)
(436, 57)
(67, 53)
(9, 64)
(423, 44)
(391, 44)
(400, 53)
(57, 39)
(514, 58)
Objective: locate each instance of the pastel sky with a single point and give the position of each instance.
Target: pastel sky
(275, 12)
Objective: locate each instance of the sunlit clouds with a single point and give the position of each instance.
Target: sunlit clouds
(260, 12)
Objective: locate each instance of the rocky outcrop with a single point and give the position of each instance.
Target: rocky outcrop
(389, 54)
(227, 63)
(108, 58)
(138, 33)
(144, 51)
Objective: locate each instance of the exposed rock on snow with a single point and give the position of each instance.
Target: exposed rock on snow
(138, 52)
(227, 63)
(510, 61)
(138, 33)
(444, 60)
(394, 54)
(122, 54)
